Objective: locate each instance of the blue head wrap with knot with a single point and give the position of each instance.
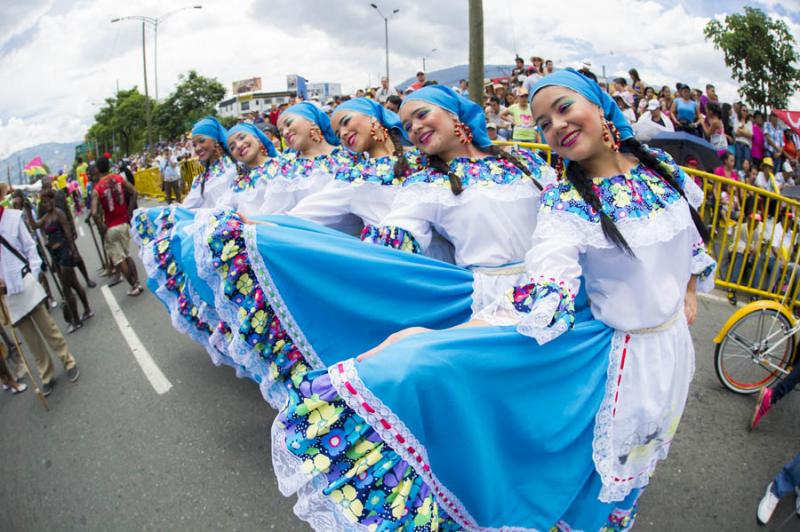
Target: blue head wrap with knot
(387, 118)
(589, 89)
(467, 111)
(257, 133)
(314, 114)
(211, 128)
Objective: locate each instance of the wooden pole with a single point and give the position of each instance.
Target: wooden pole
(476, 51)
(22, 354)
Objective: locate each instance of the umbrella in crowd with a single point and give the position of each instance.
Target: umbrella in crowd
(685, 146)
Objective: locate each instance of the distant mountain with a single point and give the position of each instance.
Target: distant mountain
(55, 155)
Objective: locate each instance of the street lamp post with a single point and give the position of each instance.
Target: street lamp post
(423, 60)
(386, 33)
(155, 21)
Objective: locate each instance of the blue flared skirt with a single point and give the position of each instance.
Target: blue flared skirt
(289, 295)
(477, 428)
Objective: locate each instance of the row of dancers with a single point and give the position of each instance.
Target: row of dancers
(455, 336)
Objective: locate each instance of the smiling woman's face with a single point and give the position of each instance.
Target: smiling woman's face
(429, 127)
(244, 147)
(203, 147)
(296, 131)
(353, 129)
(570, 123)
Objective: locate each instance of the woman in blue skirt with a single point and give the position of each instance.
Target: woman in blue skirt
(555, 417)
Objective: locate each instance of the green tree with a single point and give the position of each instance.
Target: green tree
(194, 97)
(121, 119)
(760, 51)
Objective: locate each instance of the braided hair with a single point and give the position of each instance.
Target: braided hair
(401, 167)
(207, 165)
(583, 184)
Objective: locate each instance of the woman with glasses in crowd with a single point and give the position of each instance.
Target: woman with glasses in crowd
(557, 423)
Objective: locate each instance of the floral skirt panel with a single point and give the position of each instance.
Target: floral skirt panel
(299, 296)
(473, 429)
(165, 256)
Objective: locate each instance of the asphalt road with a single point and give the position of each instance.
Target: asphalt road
(112, 454)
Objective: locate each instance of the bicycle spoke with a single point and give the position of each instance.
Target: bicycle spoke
(740, 340)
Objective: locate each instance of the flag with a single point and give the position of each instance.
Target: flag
(35, 167)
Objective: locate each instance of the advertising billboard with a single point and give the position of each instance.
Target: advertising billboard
(246, 85)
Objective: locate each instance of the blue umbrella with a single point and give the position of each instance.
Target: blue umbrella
(684, 146)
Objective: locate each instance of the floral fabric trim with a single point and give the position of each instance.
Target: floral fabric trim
(484, 171)
(290, 164)
(619, 520)
(636, 195)
(703, 266)
(391, 237)
(247, 181)
(218, 168)
(257, 337)
(379, 170)
(362, 477)
(142, 229)
(549, 306)
(188, 313)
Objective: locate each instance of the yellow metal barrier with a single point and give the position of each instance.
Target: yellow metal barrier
(148, 183)
(190, 168)
(754, 236)
(535, 146)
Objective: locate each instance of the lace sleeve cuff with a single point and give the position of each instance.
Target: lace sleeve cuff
(548, 306)
(391, 237)
(703, 266)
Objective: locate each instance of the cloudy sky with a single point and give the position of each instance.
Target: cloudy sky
(61, 58)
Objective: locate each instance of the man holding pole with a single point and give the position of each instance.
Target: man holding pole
(23, 298)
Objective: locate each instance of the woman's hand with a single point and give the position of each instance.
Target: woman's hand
(390, 340)
(690, 301)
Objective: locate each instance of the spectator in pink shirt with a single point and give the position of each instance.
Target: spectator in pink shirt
(757, 151)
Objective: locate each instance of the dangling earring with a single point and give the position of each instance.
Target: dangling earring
(560, 168)
(218, 151)
(610, 133)
(378, 132)
(614, 133)
(263, 149)
(316, 134)
(462, 131)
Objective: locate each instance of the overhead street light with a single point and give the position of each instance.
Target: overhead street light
(423, 60)
(386, 33)
(153, 21)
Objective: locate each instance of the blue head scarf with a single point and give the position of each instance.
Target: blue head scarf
(387, 118)
(467, 111)
(589, 89)
(211, 128)
(257, 133)
(314, 114)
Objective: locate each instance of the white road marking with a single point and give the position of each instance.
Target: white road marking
(157, 379)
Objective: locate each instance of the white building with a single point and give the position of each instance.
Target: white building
(324, 90)
(242, 104)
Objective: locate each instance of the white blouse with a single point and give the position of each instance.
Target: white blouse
(489, 224)
(212, 185)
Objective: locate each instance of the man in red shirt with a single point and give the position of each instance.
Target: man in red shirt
(110, 195)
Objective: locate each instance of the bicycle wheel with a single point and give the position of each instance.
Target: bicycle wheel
(754, 351)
